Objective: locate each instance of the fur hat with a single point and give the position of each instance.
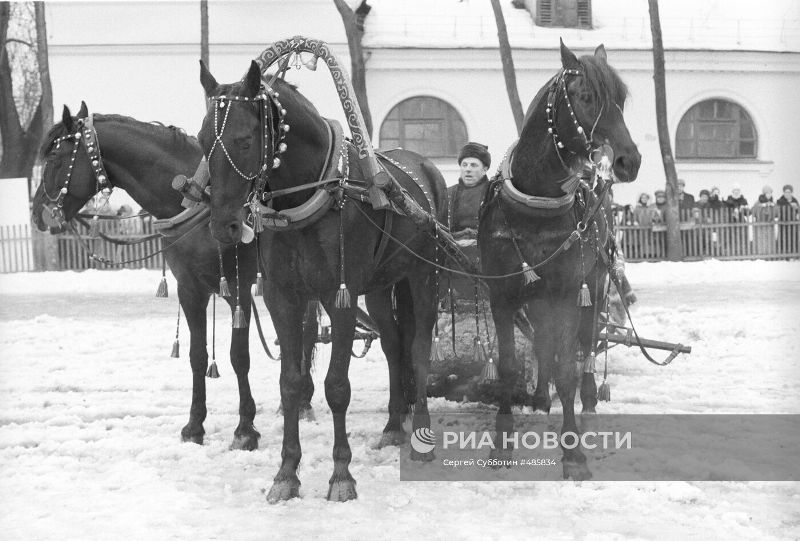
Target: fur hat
(788, 187)
(476, 150)
(660, 192)
(705, 192)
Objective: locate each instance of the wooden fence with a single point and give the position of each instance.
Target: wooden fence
(769, 233)
(23, 248)
(718, 234)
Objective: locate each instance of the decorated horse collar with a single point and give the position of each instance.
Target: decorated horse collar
(87, 133)
(532, 205)
(272, 134)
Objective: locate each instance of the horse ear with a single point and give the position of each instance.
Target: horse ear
(207, 80)
(600, 53)
(66, 118)
(568, 58)
(252, 81)
(84, 111)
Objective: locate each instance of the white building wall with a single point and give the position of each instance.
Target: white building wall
(141, 59)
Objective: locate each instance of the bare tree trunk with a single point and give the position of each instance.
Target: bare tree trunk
(354, 28)
(43, 59)
(672, 219)
(509, 72)
(204, 32)
(15, 139)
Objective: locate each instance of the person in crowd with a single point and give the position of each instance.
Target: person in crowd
(661, 204)
(788, 200)
(737, 204)
(465, 197)
(788, 210)
(715, 199)
(702, 202)
(644, 213)
(685, 201)
(765, 198)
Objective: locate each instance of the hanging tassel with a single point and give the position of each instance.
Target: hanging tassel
(212, 371)
(258, 221)
(176, 346)
(224, 290)
(94, 227)
(436, 349)
(489, 373)
(604, 392)
(584, 297)
(529, 274)
(342, 297)
(162, 288)
(239, 321)
(478, 353)
(259, 285)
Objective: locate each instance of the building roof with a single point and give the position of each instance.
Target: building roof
(735, 25)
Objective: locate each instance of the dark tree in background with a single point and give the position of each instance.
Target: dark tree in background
(508, 66)
(26, 95)
(354, 28)
(659, 78)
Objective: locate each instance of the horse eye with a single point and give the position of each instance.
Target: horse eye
(585, 97)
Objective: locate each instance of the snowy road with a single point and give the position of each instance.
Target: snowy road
(91, 406)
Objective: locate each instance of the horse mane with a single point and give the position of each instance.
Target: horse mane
(603, 80)
(167, 136)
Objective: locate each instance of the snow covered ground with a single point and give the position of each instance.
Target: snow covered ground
(91, 406)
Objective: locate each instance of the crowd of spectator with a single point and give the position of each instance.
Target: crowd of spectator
(711, 207)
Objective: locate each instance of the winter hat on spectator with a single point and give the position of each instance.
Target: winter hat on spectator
(788, 187)
(705, 192)
(660, 192)
(476, 150)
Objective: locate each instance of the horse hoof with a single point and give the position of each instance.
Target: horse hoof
(577, 471)
(422, 457)
(284, 490)
(342, 490)
(588, 409)
(245, 442)
(307, 414)
(192, 436)
(392, 438)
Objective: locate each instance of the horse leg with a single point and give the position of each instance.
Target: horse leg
(245, 437)
(567, 375)
(541, 395)
(503, 314)
(289, 327)
(194, 303)
(337, 392)
(379, 305)
(310, 336)
(424, 299)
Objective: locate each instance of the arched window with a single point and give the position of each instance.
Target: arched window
(716, 129)
(426, 125)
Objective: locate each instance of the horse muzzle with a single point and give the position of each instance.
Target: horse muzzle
(626, 165)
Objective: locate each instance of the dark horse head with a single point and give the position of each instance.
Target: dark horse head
(89, 153)
(55, 201)
(244, 133)
(577, 117)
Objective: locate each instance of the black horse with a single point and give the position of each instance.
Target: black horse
(142, 159)
(542, 220)
(253, 156)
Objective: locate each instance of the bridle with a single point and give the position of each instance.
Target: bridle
(87, 133)
(273, 132)
(559, 87)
